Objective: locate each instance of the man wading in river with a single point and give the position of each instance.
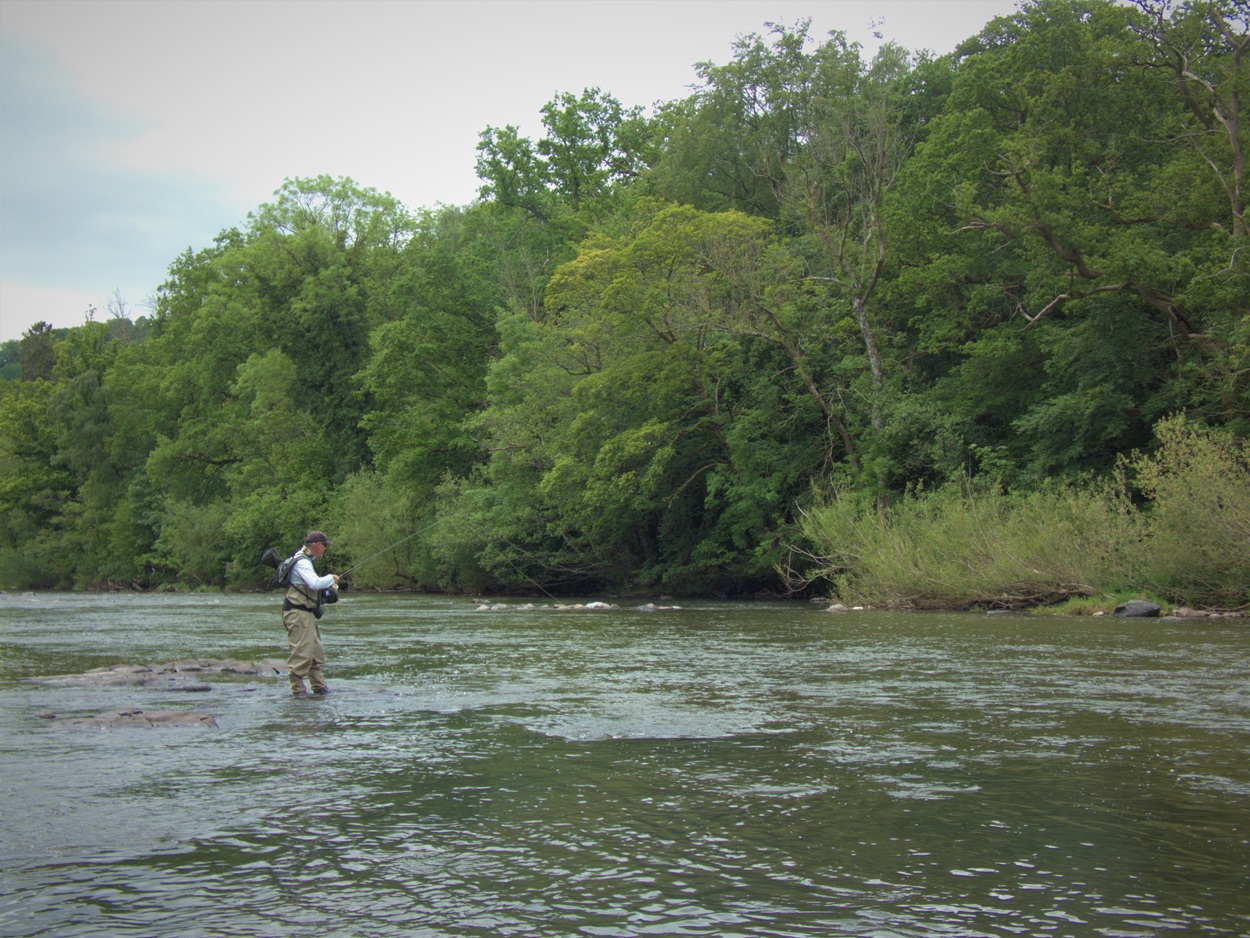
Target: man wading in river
(301, 608)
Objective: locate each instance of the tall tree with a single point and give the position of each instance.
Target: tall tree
(729, 146)
(1046, 191)
(425, 374)
(642, 428)
(591, 144)
(837, 184)
(35, 353)
(1203, 47)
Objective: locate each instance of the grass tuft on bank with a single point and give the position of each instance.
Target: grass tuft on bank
(1172, 523)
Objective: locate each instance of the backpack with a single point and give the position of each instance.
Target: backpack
(282, 575)
(282, 568)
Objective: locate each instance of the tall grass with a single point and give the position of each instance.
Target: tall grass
(962, 546)
(1196, 547)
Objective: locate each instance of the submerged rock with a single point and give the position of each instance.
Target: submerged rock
(133, 716)
(177, 675)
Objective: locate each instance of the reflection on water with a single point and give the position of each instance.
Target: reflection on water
(722, 770)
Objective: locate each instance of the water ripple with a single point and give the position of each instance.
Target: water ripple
(743, 770)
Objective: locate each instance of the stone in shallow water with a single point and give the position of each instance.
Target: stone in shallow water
(133, 716)
(166, 675)
(1136, 609)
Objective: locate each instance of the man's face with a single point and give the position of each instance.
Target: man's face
(317, 548)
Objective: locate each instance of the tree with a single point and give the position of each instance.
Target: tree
(1044, 139)
(320, 264)
(425, 373)
(1200, 52)
(1202, 48)
(730, 144)
(837, 185)
(35, 354)
(1043, 199)
(592, 143)
(33, 492)
(809, 134)
(639, 431)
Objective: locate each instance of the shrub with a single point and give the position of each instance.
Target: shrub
(963, 547)
(1189, 542)
(1196, 544)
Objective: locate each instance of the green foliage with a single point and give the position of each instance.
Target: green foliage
(322, 263)
(592, 145)
(728, 148)
(960, 546)
(425, 373)
(1197, 487)
(623, 424)
(982, 277)
(36, 355)
(963, 547)
(193, 541)
(370, 514)
(477, 544)
(1097, 398)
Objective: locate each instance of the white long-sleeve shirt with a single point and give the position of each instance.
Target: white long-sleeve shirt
(305, 573)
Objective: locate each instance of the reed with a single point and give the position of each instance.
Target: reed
(962, 547)
(1186, 538)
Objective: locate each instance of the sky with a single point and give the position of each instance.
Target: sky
(132, 130)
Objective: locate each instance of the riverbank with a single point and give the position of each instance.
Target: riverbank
(1076, 607)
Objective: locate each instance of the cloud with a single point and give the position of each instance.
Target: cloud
(76, 220)
(133, 129)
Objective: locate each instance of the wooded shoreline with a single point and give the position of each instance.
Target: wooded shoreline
(906, 331)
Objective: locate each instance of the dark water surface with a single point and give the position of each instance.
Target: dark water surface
(722, 770)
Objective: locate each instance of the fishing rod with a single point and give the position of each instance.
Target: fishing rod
(273, 558)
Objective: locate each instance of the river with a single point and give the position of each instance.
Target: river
(721, 769)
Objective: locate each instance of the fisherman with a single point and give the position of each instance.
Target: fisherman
(301, 608)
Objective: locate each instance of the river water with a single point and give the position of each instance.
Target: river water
(748, 769)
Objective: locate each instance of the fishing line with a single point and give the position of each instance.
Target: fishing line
(508, 560)
(385, 549)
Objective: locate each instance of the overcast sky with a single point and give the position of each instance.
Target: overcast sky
(130, 131)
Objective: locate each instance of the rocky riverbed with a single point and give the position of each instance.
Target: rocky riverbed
(184, 675)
